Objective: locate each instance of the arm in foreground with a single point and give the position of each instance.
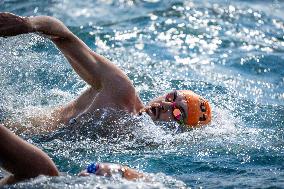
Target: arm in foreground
(22, 159)
(93, 68)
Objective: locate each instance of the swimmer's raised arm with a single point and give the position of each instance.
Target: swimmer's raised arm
(93, 68)
(21, 159)
(12, 25)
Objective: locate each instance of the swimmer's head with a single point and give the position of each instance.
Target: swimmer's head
(183, 106)
(111, 170)
(103, 169)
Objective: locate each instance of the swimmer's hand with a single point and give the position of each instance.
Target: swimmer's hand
(11, 25)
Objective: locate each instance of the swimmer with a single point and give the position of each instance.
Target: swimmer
(112, 170)
(24, 161)
(109, 85)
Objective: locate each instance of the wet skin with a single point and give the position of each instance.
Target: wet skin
(24, 161)
(109, 86)
(110, 169)
(161, 108)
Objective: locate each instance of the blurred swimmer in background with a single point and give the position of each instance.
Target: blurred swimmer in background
(24, 161)
(109, 85)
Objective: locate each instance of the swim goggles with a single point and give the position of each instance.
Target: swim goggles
(92, 168)
(176, 111)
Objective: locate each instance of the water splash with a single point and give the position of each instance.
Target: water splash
(229, 52)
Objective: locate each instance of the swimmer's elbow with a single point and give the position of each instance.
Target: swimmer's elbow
(46, 167)
(47, 170)
(50, 26)
(38, 164)
(15, 178)
(51, 171)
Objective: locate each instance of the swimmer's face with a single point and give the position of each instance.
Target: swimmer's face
(161, 108)
(112, 170)
(105, 169)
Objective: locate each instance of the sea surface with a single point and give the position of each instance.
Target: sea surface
(229, 51)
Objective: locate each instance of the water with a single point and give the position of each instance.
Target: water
(231, 52)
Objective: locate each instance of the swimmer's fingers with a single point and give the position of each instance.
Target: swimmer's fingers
(11, 25)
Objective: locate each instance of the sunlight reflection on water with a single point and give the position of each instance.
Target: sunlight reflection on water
(230, 52)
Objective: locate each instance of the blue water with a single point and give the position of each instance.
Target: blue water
(231, 52)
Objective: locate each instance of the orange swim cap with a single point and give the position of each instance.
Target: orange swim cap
(199, 110)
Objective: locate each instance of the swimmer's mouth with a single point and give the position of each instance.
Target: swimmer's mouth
(154, 112)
